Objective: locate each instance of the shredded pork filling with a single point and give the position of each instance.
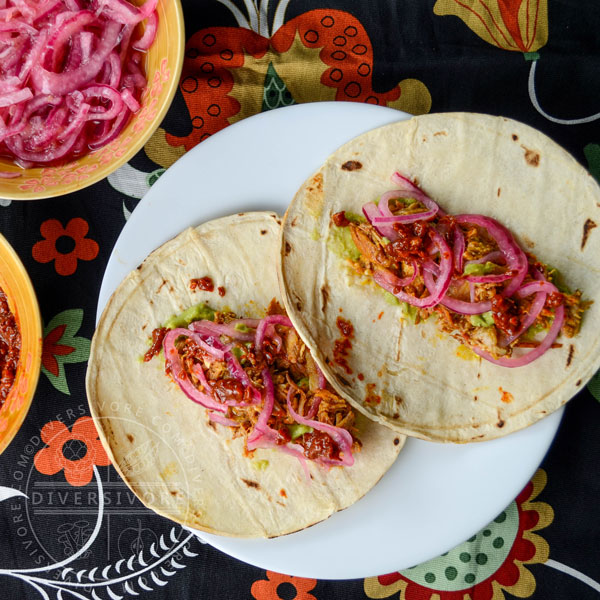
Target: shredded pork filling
(413, 249)
(294, 375)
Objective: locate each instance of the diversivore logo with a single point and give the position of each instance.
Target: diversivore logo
(76, 528)
(64, 493)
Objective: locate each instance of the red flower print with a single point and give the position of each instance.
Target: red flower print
(267, 589)
(46, 250)
(75, 451)
(52, 349)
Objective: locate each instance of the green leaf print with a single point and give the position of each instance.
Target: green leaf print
(275, 93)
(592, 155)
(62, 346)
(594, 386)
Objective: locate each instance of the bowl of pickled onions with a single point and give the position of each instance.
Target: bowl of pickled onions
(83, 85)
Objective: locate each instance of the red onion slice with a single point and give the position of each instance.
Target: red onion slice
(535, 353)
(15, 97)
(515, 257)
(149, 33)
(261, 428)
(458, 249)
(48, 82)
(389, 279)
(371, 212)
(229, 330)
(221, 420)
(180, 376)
(387, 217)
(270, 320)
(541, 289)
(126, 13)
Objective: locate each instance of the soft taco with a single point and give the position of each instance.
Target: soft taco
(443, 270)
(209, 404)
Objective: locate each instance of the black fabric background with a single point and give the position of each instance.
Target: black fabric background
(462, 73)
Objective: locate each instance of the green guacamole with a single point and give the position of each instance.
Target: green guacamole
(485, 319)
(480, 269)
(197, 312)
(340, 239)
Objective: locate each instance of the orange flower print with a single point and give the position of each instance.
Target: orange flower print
(65, 245)
(270, 588)
(75, 451)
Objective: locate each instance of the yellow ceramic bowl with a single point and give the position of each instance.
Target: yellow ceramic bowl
(16, 284)
(163, 68)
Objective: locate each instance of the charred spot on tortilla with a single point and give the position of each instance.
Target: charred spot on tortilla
(440, 133)
(532, 157)
(160, 287)
(174, 493)
(570, 356)
(241, 214)
(251, 484)
(294, 221)
(578, 382)
(475, 398)
(396, 441)
(130, 438)
(288, 248)
(587, 227)
(263, 232)
(498, 193)
(343, 380)
(515, 137)
(211, 424)
(500, 424)
(351, 165)
(325, 296)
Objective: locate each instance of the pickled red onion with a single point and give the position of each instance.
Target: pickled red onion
(179, 375)
(371, 211)
(270, 320)
(57, 49)
(514, 256)
(525, 359)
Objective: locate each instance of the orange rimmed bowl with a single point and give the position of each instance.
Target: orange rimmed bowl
(22, 301)
(164, 62)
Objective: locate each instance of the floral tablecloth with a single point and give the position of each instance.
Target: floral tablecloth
(70, 527)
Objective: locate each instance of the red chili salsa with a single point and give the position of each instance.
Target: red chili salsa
(10, 348)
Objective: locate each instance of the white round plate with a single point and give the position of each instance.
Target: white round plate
(435, 496)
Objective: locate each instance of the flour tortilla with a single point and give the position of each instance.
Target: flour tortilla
(162, 444)
(430, 387)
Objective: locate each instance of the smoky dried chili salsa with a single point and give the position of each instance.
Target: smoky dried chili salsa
(10, 347)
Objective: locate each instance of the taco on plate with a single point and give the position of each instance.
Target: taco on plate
(209, 404)
(443, 269)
